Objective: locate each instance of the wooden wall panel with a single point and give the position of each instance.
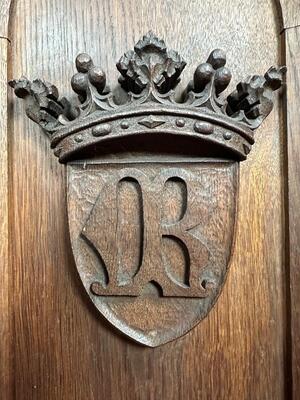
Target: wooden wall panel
(62, 348)
(292, 37)
(4, 268)
(290, 13)
(5, 325)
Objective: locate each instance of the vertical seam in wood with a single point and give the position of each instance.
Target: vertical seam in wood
(292, 229)
(288, 384)
(6, 377)
(5, 370)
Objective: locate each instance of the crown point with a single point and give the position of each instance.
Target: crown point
(274, 77)
(83, 62)
(222, 79)
(97, 78)
(217, 58)
(202, 76)
(79, 83)
(151, 65)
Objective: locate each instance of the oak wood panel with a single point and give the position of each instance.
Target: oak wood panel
(290, 13)
(62, 347)
(4, 269)
(5, 326)
(293, 168)
(4, 17)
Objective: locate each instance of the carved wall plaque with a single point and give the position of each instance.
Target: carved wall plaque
(152, 181)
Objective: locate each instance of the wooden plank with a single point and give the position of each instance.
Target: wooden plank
(5, 326)
(62, 348)
(290, 13)
(4, 16)
(4, 269)
(293, 148)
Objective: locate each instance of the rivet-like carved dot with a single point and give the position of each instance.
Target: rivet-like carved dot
(180, 122)
(101, 130)
(83, 62)
(124, 124)
(78, 138)
(204, 128)
(227, 135)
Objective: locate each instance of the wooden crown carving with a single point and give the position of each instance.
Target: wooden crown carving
(152, 230)
(149, 75)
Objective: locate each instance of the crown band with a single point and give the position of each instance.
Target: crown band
(150, 104)
(152, 120)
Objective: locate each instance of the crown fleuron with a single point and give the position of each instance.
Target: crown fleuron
(215, 124)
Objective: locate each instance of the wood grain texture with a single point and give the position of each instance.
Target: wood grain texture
(290, 13)
(4, 269)
(62, 349)
(5, 326)
(4, 17)
(293, 169)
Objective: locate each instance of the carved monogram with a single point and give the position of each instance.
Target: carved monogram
(152, 236)
(103, 226)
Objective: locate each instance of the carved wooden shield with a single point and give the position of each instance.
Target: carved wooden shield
(152, 240)
(152, 181)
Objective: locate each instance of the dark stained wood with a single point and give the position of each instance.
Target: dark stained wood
(61, 348)
(118, 210)
(4, 267)
(5, 309)
(293, 175)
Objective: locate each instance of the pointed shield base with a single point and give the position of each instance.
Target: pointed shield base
(152, 240)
